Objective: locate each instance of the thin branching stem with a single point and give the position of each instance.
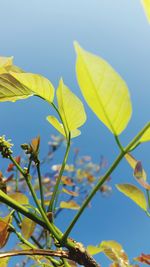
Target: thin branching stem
(102, 181)
(51, 205)
(40, 185)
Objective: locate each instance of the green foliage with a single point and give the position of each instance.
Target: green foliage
(104, 90)
(34, 225)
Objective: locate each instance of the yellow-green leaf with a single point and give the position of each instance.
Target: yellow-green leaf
(27, 227)
(4, 262)
(114, 251)
(59, 126)
(104, 90)
(69, 205)
(93, 250)
(6, 61)
(71, 110)
(11, 89)
(37, 84)
(70, 192)
(146, 6)
(133, 193)
(70, 107)
(146, 136)
(19, 197)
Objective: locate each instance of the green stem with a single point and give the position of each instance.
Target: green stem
(50, 208)
(21, 238)
(32, 237)
(102, 181)
(22, 209)
(118, 143)
(40, 185)
(25, 241)
(59, 114)
(43, 214)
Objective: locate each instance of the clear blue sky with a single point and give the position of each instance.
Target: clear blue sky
(40, 34)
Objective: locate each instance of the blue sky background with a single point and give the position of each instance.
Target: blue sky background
(40, 35)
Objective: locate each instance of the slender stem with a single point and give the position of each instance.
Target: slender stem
(25, 241)
(22, 209)
(118, 143)
(93, 192)
(45, 218)
(59, 114)
(50, 208)
(32, 237)
(21, 238)
(102, 181)
(40, 185)
(17, 165)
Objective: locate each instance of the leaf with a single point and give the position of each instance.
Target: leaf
(19, 197)
(36, 84)
(4, 229)
(6, 62)
(114, 251)
(133, 193)
(145, 137)
(67, 181)
(11, 89)
(59, 126)
(93, 250)
(4, 262)
(146, 6)
(70, 107)
(138, 174)
(71, 110)
(69, 192)
(35, 143)
(144, 258)
(133, 163)
(27, 227)
(104, 90)
(69, 205)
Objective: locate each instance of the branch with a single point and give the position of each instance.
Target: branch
(33, 252)
(81, 257)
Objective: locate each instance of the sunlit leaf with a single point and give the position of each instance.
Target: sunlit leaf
(37, 84)
(93, 250)
(146, 5)
(145, 137)
(133, 193)
(27, 227)
(114, 251)
(59, 127)
(71, 110)
(6, 61)
(11, 89)
(20, 197)
(69, 205)
(4, 262)
(4, 229)
(70, 107)
(133, 163)
(70, 192)
(104, 90)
